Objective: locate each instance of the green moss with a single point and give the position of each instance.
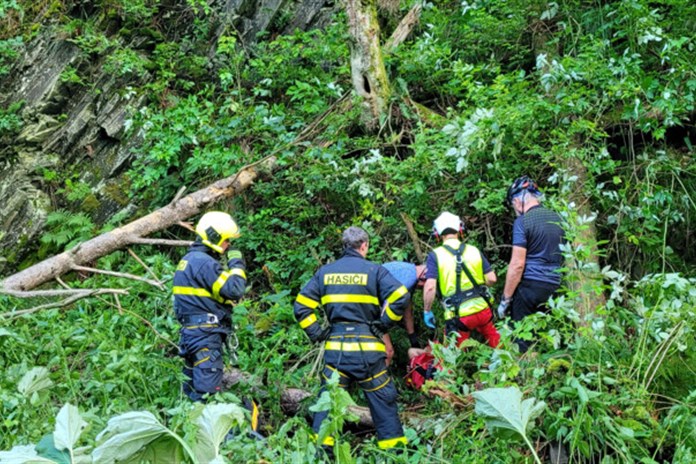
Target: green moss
(118, 192)
(90, 203)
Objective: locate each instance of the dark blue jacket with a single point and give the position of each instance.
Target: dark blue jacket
(202, 286)
(351, 289)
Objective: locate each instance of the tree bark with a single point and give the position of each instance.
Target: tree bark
(582, 283)
(131, 233)
(367, 66)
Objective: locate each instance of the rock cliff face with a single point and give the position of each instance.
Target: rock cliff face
(75, 132)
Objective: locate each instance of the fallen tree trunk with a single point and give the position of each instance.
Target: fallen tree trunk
(131, 233)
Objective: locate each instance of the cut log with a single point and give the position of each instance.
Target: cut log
(291, 398)
(133, 232)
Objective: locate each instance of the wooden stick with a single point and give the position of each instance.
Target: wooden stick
(403, 30)
(119, 274)
(66, 292)
(414, 237)
(147, 268)
(58, 304)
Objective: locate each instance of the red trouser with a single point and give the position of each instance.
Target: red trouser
(481, 322)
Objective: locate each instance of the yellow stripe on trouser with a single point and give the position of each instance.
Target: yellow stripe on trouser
(308, 302)
(220, 282)
(349, 298)
(354, 346)
(307, 321)
(392, 442)
(335, 370)
(201, 361)
(374, 376)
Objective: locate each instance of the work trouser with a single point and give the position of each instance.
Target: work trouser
(481, 322)
(357, 356)
(530, 297)
(201, 346)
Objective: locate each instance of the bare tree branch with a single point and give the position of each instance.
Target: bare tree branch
(76, 295)
(414, 237)
(65, 292)
(142, 263)
(124, 275)
(403, 30)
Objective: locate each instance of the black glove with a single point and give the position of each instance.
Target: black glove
(451, 326)
(234, 258)
(378, 329)
(413, 338)
(322, 335)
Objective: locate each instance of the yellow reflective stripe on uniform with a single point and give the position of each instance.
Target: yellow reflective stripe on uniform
(308, 302)
(191, 291)
(398, 293)
(220, 282)
(335, 370)
(238, 272)
(392, 315)
(354, 346)
(201, 361)
(384, 384)
(349, 298)
(392, 442)
(307, 321)
(200, 326)
(374, 376)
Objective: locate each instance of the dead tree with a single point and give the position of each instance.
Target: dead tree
(178, 210)
(368, 73)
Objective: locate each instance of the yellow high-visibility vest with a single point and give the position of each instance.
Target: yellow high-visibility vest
(447, 277)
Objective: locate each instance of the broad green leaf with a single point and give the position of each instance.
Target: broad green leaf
(504, 408)
(128, 434)
(213, 424)
(165, 449)
(69, 427)
(46, 448)
(34, 381)
(23, 454)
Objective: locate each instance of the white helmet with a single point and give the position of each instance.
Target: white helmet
(215, 227)
(446, 221)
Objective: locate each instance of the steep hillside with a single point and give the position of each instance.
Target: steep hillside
(109, 107)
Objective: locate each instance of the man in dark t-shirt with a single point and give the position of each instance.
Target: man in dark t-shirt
(533, 274)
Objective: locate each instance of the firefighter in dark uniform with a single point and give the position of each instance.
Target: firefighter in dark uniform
(352, 291)
(204, 293)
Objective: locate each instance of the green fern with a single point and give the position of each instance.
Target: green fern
(65, 230)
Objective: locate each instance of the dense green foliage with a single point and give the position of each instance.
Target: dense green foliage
(548, 89)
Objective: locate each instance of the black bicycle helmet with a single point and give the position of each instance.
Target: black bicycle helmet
(521, 184)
